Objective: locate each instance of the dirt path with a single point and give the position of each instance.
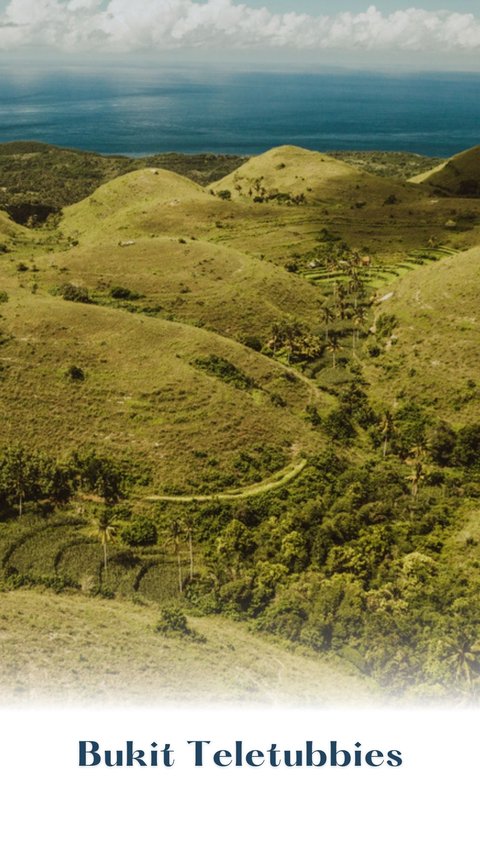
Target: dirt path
(281, 478)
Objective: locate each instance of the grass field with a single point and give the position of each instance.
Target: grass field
(69, 649)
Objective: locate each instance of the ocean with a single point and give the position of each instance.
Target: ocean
(139, 111)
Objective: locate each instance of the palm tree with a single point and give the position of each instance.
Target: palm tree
(106, 532)
(387, 428)
(416, 477)
(463, 656)
(358, 321)
(176, 533)
(334, 346)
(342, 300)
(189, 530)
(327, 316)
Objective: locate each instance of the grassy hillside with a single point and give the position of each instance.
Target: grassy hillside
(296, 176)
(459, 176)
(147, 390)
(194, 281)
(430, 351)
(37, 178)
(72, 649)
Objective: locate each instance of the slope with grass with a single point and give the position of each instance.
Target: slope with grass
(193, 281)
(431, 352)
(145, 201)
(37, 178)
(289, 174)
(70, 649)
(184, 400)
(459, 176)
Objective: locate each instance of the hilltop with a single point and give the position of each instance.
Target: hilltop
(39, 179)
(459, 176)
(183, 401)
(289, 174)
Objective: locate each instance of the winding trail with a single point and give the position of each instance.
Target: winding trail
(281, 478)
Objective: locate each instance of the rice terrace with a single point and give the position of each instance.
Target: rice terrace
(240, 444)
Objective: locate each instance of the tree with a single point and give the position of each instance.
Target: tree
(467, 449)
(334, 347)
(176, 533)
(416, 477)
(387, 429)
(21, 476)
(100, 475)
(141, 532)
(189, 529)
(327, 316)
(359, 316)
(106, 532)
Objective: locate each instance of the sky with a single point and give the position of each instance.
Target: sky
(428, 34)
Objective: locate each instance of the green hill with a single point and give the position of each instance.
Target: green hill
(37, 178)
(430, 344)
(459, 176)
(194, 281)
(185, 401)
(289, 174)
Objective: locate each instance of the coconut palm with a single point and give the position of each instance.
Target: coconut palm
(416, 477)
(327, 316)
(189, 530)
(359, 316)
(106, 532)
(463, 657)
(334, 346)
(387, 428)
(176, 535)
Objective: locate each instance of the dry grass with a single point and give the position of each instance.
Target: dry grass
(458, 176)
(433, 356)
(71, 649)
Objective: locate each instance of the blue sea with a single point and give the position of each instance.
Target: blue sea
(139, 111)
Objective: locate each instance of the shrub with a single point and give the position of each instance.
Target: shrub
(75, 293)
(467, 450)
(123, 293)
(141, 532)
(3, 296)
(173, 622)
(74, 373)
(224, 370)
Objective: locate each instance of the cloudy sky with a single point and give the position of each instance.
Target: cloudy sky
(431, 34)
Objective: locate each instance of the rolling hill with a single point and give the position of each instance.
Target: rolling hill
(431, 354)
(185, 401)
(459, 176)
(289, 174)
(194, 281)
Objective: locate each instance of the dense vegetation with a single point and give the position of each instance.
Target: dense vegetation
(351, 558)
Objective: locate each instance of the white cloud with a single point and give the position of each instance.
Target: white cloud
(124, 25)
